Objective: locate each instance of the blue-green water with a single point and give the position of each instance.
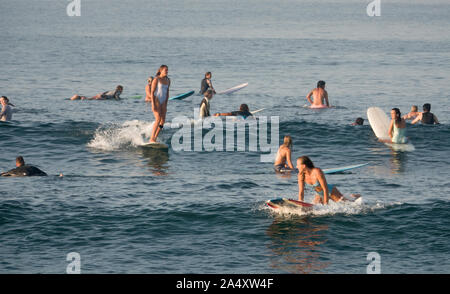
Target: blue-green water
(129, 210)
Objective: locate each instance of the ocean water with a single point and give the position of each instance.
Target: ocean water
(125, 209)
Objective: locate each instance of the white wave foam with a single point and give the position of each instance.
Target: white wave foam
(114, 137)
(347, 208)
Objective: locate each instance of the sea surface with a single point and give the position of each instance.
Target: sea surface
(126, 209)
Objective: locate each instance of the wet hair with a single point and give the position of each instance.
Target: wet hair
(320, 84)
(19, 159)
(119, 87)
(426, 107)
(160, 69)
(244, 107)
(359, 121)
(287, 141)
(414, 108)
(306, 161)
(6, 98)
(398, 115)
(207, 73)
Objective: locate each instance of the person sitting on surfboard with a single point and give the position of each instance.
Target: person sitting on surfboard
(148, 89)
(114, 94)
(426, 117)
(243, 111)
(310, 175)
(397, 128)
(319, 95)
(207, 84)
(204, 105)
(159, 95)
(23, 170)
(412, 114)
(283, 160)
(7, 111)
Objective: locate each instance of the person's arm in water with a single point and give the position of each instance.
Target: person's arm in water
(435, 119)
(325, 95)
(301, 186)
(417, 119)
(308, 97)
(323, 183)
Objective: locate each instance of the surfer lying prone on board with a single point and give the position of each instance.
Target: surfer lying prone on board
(23, 170)
(243, 111)
(115, 94)
(283, 160)
(397, 128)
(310, 175)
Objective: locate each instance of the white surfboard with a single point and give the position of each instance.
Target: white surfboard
(234, 89)
(156, 145)
(379, 121)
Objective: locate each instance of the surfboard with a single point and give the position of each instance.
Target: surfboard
(256, 111)
(379, 122)
(182, 96)
(280, 203)
(329, 170)
(318, 106)
(156, 145)
(234, 89)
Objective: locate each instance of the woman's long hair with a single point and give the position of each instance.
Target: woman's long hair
(398, 115)
(306, 161)
(160, 69)
(287, 141)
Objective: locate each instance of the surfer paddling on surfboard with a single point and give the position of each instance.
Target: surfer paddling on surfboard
(283, 160)
(243, 111)
(310, 175)
(397, 128)
(108, 95)
(319, 96)
(159, 95)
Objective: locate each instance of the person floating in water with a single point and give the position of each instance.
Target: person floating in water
(148, 90)
(115, 94)
(308, 174)
(412, 114)
(23, 170)
(319, 95)
(283, 160)
(397, 128)
(426, 117)
(207, 84)
(243, 112)
(358, 122)
(204, 105)
(7, 110)
(159, 95)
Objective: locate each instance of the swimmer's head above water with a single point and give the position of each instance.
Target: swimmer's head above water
(20, 161)
(321, 84)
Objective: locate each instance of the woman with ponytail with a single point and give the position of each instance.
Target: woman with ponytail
(283, 160)
(159, 95)
(310, 175)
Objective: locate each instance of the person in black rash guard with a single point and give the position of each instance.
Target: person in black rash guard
(426, 117)
(243, 111)
(23, 170)
(207, 84)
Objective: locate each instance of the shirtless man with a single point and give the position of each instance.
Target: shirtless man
(283, 160)
(426, 117)
(319, 95)
(412, 114)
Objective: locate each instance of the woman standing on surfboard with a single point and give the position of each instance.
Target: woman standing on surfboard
(310, 175)
(397, 128)
(319, 95)
(159, 95)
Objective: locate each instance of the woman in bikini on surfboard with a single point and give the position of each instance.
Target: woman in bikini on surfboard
(310, 175)
(159, 95)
